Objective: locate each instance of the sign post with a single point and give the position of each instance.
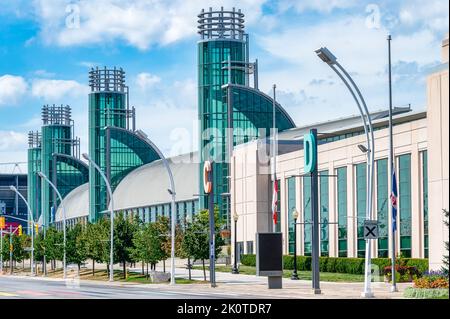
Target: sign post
(310, 155)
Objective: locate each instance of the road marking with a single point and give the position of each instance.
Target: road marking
(7, 294)
(33, 293)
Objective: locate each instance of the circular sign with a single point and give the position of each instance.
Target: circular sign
(207, 185)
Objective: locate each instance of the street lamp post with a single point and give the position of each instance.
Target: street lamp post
(294, 273)
(326, 56)
(108, 186)
(30, 219)
(235, 269)
(42, 175)
(173, 195)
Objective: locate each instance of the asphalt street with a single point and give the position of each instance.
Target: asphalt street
(29, 288)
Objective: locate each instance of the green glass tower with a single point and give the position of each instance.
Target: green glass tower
(227, 104)
(55, 152)
(113, 142)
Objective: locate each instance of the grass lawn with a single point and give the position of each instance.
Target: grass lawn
(303, 275)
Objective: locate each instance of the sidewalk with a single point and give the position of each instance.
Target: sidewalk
(249, 286)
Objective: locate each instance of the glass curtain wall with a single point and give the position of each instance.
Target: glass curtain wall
(290, 210)
(324, 213)
(361, 194)
(404, 169)
(307, 215)
(342, 210)
(382, 207)
(425, 201)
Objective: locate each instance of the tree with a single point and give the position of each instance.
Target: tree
(39, 247)
(75, 245)
(97, 238)
(148, 246)
(196, 238)
(446, 257)
(124, 230)
(53, 245)
(163, 228)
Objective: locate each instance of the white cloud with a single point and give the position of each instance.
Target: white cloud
(146, 80)
(432, 15)
(51, 90)
(11, 89)
(316, 5)
(140, 23)
(306, 84)
(12, 141)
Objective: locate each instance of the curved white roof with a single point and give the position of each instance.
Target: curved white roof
(148, 184)
(76, 203)
(145, 186)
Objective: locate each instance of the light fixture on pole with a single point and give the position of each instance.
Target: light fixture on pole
(295, 215)
(235, 269)
(108, 186)
(326, 56)
(172, 192)
(30, 218)
(42, 175)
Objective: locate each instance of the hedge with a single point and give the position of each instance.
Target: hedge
(340, 264)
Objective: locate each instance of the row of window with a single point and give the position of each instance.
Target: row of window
(381, 199)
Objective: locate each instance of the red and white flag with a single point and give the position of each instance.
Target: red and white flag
(275, 201)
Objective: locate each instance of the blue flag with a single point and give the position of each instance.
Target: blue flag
(394, 201)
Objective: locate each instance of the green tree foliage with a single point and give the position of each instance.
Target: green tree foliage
(446, 257)
(195, 242)
(97, 241)
(148, 246)
(163, 228)
(75, 245)
(124, 229)
(53, 244)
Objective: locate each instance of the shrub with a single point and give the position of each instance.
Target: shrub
(407, 267)
(420, 264)
(434, 279)
(248, 260)
(404, 273)
(382, 263)
(331, 264)
(424, 293)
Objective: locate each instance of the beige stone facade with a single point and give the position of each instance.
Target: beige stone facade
(438, 134)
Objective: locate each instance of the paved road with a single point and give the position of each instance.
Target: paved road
(17, 287)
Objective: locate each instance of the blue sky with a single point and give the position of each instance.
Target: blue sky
(45, 55)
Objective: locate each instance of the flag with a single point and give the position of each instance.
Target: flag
(394, 200)
(275, 201)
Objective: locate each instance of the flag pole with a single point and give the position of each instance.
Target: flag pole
(274, 176)
(391, 171)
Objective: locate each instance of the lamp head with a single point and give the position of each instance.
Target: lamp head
(326, 56)
(362, 148)
(41, 174)
(13, 188)
(85, 156)
(235, 216)
(295, 213)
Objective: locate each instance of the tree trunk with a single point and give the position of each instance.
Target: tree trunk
(124, 269)
(204, 270)
(93, 267)
(142, 268)
(107, 269)
(164, 265)
(147, 271)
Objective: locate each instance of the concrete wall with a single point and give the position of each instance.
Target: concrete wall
(438, 139)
